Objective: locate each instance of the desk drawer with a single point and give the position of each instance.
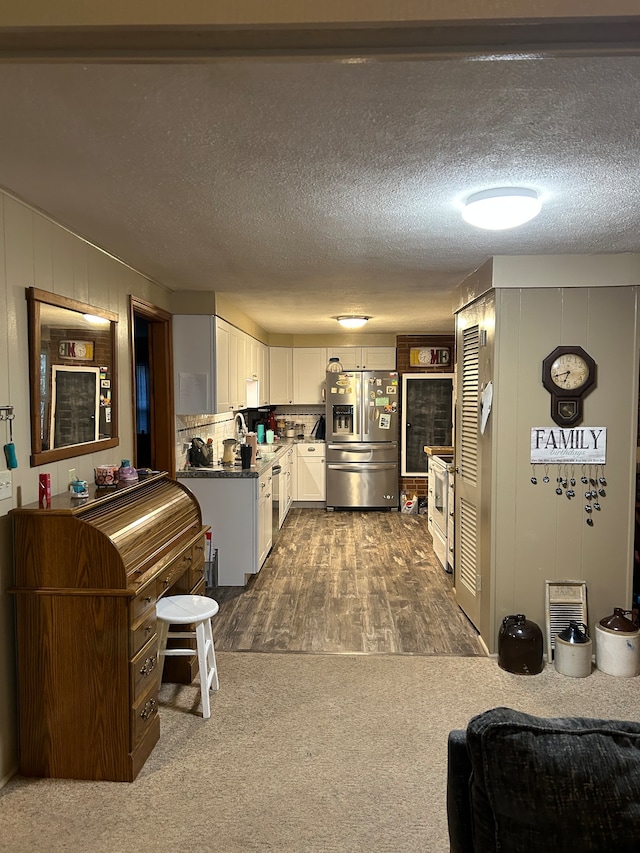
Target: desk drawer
(144, 601)
(143, 631)
(144, 669)
(172, 572)
(143, 714)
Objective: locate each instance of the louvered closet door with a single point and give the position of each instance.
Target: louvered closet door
(467, 550)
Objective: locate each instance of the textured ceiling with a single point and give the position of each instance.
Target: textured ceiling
(307, 189)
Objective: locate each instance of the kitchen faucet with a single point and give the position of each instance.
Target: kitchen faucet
(242, 430)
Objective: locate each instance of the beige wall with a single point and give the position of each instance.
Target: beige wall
(34, 251)
(534, 534)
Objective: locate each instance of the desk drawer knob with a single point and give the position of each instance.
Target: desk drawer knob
(148, 599)
(166, 582)
(149, 708)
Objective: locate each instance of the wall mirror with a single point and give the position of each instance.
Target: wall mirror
(72, 374)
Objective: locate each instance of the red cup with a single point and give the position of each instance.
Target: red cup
(45, 490)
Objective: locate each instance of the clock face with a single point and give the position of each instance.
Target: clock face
(569, 371)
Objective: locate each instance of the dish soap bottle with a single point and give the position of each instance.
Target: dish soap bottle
(127, 473)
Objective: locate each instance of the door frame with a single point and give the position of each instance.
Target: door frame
(163, 451)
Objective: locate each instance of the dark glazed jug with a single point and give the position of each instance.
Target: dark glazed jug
(520, 646)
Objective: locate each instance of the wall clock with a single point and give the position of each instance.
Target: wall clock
(568, 374)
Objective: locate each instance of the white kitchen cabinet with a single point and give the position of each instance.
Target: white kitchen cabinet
(281, 376)
(194, 364)
(311, 477)
(212, 360)
(286, 464)
(238, 511)
(263, 374)
(364, 358)
(309, 373)
(265, 521)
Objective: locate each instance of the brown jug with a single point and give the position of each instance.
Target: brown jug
(520, 646)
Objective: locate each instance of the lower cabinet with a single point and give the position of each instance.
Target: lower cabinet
(311, 477)
(265, 522)
(240, 513)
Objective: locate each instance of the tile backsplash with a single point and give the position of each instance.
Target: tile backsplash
(219, 427)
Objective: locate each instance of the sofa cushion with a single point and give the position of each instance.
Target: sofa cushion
(554, 785)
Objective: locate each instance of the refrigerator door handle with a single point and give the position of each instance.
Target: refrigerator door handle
(354, 468)
(348, 449)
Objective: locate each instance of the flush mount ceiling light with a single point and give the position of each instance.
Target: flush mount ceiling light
(352, 322)
(501, 208)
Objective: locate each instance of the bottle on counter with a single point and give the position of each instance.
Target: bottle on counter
(334, 365)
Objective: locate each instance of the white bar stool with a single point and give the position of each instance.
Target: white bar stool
(190, 610)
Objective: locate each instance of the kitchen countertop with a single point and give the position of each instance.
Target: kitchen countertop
(265, 460)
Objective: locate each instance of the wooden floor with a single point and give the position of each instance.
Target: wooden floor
(339, 582)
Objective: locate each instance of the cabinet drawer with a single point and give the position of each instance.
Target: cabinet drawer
(143, 714)
(440, 547)
(145, 600)
(311, 450)
(144, 669)
(143, 631)
(195, 574)
(172, 572)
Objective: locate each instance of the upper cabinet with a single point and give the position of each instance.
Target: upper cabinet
(364, 358)
(280, 376)
(216, 366)
(309, 373)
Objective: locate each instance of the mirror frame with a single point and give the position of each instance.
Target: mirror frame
(35, 298)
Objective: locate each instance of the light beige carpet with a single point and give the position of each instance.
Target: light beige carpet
(303, 754)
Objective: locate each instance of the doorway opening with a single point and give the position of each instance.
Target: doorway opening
(152, 383)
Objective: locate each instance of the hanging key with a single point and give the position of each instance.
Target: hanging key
(545, 479)
(590, 522)
(558, 491)
(602, 481)
(588, 508)
(602, 493)
(570, 493)
(584, 480)
(573, 481)
(534, 480)
(596, 506)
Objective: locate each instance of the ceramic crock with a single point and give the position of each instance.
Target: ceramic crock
(520, 645)
(106, 475)
(618, 645)
(572, 655)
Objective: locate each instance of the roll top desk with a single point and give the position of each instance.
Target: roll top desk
(88, 574)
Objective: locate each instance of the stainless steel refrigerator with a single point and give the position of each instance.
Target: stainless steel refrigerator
(362, 439)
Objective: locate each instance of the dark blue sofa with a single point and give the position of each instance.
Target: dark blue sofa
(523, 784)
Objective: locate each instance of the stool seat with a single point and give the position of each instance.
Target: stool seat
(185, 609)
(195, 610)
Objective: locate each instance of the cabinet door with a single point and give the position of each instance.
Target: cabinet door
(225, 354)
(311, 480)
(281, 376)
(193, 364)
(350, 357)
(238, 369)
(265, 509)
(263, 374)
(309, 372)
(378, 358)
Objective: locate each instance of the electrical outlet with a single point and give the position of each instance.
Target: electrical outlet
(5, 485)
(72, 475)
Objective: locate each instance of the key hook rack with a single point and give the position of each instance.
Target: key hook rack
(6, 413)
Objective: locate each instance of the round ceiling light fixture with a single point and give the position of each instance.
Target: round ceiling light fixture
(351, 321)
(501, 208)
